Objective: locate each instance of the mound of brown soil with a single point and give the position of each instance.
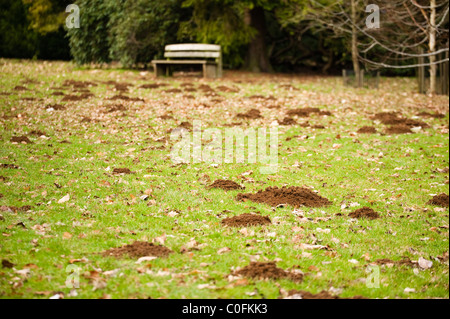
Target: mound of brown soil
(288, 121)
(58, 93)
(20, 88)
(439, 200)
(37, 133)
(304, 112)
(122, 171)
(151, 86)
(139, 249)
(166, 117)
(173, 91)
(364, 212)
(225, 185)
(186, 125)
(399, 129)
(78, 84)
(125, 98)
(367, 130)
(429, 115)
(56, 107)
(20, 139)
(9, 166)
(251, 114)
(205, 88)
(71, 98)
(404, 262)
(294, 196)
(246, 220)
(116, 108)
(267, 270)
(319, 127)
(226, 89)
(394, 118)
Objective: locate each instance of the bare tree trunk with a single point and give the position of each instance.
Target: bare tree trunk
(432, 44)
(355, 44)
(257, 59)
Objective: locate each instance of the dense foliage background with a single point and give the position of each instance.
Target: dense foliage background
(259, 35)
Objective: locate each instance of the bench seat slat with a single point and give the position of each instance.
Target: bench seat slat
(192, 47)
(192, 54)
(182, 62)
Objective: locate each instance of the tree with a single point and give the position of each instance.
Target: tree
(139, 29)
(235, 25)
(46, 15)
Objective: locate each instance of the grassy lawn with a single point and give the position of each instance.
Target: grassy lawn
(75, 148)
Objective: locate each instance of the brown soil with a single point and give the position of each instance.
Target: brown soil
(122, 87)
(86, 120)
(321, 295)
(267, 270)
(58, 93)
(122, 171)
(288, 121)
(56, 107)
(37, 133)
(152, 86)
(205, 88)
(20, 88)
(125, 98)
(79, 84)
(429, 115)
(3, 179)
(399, 129)
(404, 262)
(72, 98)
(364, 212)
(166, 117)
(138, 249)
(441, 200)
(246, 220)
(9, 166)
(173, 91)
(320, 127)
(225, 185)
(394, 118)
(20, 139)
(7, 264)
(22, 209)
(251, 115)
(226, 89)
(305, 112)
(190, 90)
(186, 125)
(367, 130)
(116, 108)
(294, 196)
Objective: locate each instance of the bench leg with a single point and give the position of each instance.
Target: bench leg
(160, 70)
(210, 71)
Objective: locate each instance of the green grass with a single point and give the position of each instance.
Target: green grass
(105, 210)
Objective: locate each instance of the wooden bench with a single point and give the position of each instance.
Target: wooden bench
(187, 54)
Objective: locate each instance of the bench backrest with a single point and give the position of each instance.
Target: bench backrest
(193, 50)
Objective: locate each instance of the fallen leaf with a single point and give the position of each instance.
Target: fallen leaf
(67, 235)
(223, 250)
(64, 199)
(425, 264)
